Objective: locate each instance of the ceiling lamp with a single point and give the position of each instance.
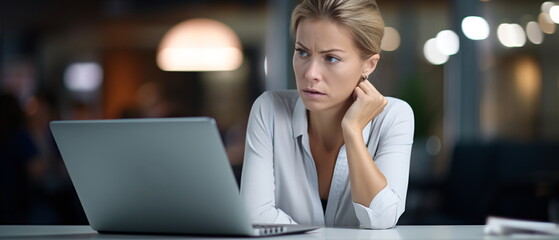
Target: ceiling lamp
(199, 45)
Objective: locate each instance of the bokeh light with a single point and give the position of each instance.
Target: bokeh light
(83, 77)
(432, 53)
(546, 24)
(475, 28)
(200, 45)
(511, 35)
(534, 33)
(448, 42)
(546, 6)
(390, 40)
(554, 14)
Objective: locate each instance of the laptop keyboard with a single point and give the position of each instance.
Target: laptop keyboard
(269, 229)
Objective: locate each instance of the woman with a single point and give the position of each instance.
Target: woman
(335, 152)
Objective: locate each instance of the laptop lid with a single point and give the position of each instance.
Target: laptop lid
(166, 175)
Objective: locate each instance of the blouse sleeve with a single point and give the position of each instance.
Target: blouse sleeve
(393, 160)
(257, 181)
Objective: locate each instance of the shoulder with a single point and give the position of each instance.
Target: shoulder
(280, 96)
(274, 104)
(397, 108)
(275, 100)
(396, 115)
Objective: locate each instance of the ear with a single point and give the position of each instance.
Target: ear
(370, 64)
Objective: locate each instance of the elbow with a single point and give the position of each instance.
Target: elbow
(383, 212)
(382, 220)
(385, 223)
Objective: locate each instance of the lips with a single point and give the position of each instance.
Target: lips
(310, 93)
(313, 91)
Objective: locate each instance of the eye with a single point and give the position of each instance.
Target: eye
(331, 59)
(302, 53)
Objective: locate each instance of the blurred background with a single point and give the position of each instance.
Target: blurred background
(481, 76)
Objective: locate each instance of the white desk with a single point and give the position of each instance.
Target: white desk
(400, 232)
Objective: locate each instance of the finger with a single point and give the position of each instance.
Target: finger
(365, 88)
(373, 89)
(358, 92)
(379, 98)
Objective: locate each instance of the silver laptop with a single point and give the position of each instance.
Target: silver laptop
(168, 175)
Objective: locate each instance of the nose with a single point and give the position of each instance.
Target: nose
(313, 71)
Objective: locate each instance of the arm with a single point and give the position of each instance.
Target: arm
(378, 187)
(365, 177)
(257, 181)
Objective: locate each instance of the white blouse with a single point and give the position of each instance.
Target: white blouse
(279, 181)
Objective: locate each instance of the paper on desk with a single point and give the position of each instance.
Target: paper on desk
(506, 226)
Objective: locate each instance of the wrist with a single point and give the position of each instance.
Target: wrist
(350, 130)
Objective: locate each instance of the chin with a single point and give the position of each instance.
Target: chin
(317, 106)
(313, 106)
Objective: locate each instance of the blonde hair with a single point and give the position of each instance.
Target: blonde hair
(362, 17)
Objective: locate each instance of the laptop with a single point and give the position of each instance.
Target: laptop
(156, 176)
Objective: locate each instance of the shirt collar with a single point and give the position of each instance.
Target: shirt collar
(300, 123)
(299, 119)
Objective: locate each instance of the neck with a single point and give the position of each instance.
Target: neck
(325, 126)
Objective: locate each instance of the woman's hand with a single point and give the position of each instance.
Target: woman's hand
(368, 104)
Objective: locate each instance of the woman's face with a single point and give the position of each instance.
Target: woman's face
(327, 64)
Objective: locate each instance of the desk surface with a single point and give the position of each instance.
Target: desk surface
(400, 232)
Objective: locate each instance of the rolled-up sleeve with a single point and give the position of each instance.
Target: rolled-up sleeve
(257, 181)
(383, 211)
(393, 160)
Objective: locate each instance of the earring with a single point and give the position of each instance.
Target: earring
(365, 77)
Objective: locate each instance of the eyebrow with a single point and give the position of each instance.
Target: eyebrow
(324, 51)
